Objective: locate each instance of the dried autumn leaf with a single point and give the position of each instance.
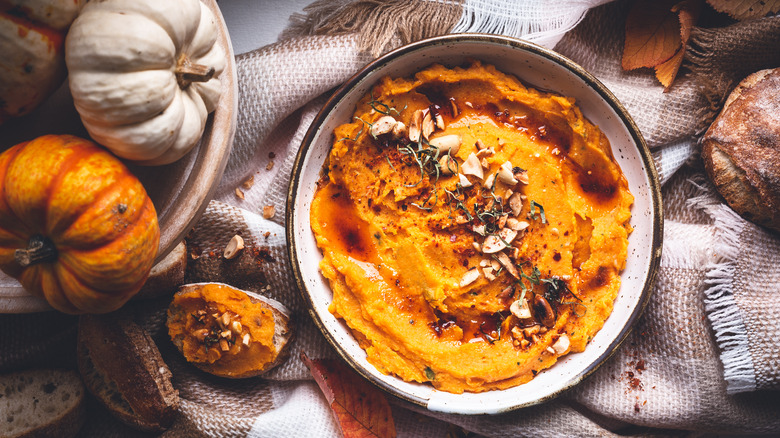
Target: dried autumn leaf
(746, 9)
(361, 410)
(652, 34)
(666, 72)
(688, 12)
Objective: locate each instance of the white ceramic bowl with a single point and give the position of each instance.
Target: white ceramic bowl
(542, 69)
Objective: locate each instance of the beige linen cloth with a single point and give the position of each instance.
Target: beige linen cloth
(702, 358)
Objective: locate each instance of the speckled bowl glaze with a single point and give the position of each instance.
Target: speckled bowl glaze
(539, 68)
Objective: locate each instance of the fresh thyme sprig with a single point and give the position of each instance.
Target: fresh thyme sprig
(362, 127)
(534, 205)
(386, 109)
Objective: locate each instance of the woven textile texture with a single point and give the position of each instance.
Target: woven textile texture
(706, 334)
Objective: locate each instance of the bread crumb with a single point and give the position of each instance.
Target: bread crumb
(239, 193)
(269, 211)
(270, 165)
(248, 183)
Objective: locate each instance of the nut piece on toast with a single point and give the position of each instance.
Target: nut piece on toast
(227, 331)
(741, 149)
(123, 369)
(41, 403)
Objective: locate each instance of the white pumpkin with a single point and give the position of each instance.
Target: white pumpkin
(32, 64)
(144, 75)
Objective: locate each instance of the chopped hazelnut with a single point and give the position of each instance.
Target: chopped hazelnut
(517, 225)
(439, 121)
(469, 277)
(507, 235)
(447, 143)
(561, 346)
(472, 167)
(505, 174)
(427, 124)
(464, 182)
(447, 165)
(399, 130)
(383, 125)
(510, 267)
(415, 126)
(234, 246)
(516, 204)
(492, 244)
(520, 309)
(488, 183)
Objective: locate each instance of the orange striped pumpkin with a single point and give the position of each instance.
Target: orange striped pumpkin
(76, 227)
(32, 65)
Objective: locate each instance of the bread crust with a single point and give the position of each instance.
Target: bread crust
(123, 354)
(741, 149)
(167, 275)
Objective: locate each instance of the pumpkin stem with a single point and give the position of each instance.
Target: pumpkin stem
(39, 250)
(187, 72)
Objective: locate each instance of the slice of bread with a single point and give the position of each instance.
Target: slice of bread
(239, 363)
(123, 369)
(41, 403)
(167, 275)
(741, 149)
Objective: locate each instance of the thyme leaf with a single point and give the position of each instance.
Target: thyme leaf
(534, 205)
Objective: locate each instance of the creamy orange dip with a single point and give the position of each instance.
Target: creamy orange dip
(473, 230)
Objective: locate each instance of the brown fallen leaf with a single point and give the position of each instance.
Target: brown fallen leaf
(666, 72)
(746, 9)
(361, 409)
(652, 34)
(688, 12)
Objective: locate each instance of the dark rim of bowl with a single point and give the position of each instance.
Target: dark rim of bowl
(647, 161)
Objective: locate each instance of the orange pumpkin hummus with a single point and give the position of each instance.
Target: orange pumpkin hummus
(473, 230)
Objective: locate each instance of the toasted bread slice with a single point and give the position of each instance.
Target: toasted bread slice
(245, 352)
(123, 369)
(41, 403)
(167, 275)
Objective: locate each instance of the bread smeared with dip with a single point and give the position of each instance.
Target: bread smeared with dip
(473, 230)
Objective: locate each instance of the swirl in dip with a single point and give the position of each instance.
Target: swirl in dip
(473, 230)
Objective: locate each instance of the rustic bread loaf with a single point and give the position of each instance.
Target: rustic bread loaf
(227, 331)
(741, 149)
(41, 403)
(123, 369)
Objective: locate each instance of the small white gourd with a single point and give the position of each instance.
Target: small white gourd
(144, 75)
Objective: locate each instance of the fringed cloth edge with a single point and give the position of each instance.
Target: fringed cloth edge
(720, 305)
(380, 25)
